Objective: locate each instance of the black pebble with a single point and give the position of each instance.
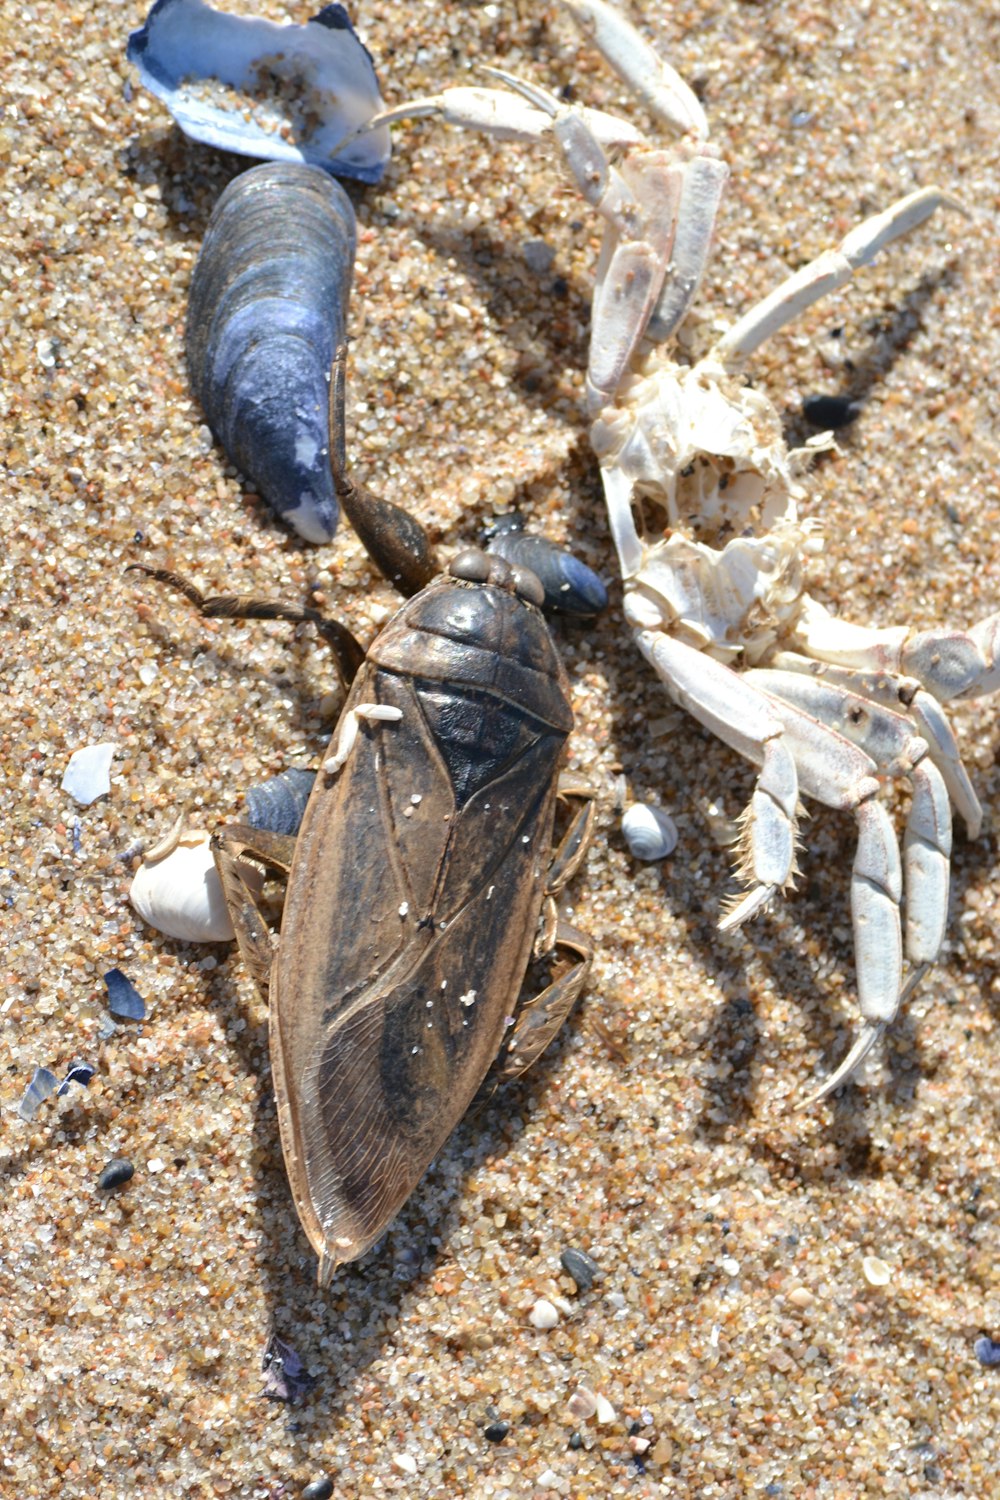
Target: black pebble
(116, 1174)
(829, 411)
(319, 1489)
(496, 1432)
(579, 1265)
(576, 1441)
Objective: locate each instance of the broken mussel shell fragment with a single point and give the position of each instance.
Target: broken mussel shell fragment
(44, 1085)
(267, 308)
(277, 805)
(180, 894)
(571, 588)
(276, 92)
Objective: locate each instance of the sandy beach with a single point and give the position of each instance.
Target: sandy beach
(787, 1300)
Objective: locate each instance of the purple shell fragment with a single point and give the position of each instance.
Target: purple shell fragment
(281, 93)
(287, 1377)
(123, 998)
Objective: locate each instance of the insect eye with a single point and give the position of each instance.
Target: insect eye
(472, 566)
(528, 586)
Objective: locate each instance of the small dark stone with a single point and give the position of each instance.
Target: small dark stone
(829, 411)
(496, 1432)
(319, 1489)
(987, 1350)
(579, 1265)
(117, 1172)
(575, 1441)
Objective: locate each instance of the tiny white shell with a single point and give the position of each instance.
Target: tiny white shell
(649, 833)
(181, 895)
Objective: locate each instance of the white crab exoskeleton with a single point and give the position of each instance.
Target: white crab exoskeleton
(715, 593)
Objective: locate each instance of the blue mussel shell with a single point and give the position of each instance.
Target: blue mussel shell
(268, 305)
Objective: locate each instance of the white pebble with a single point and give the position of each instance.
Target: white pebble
(88, 774)
(543, 1314)
(547, 1480)
(148, 673)
(730, 1266)
(605, 1412)
(406, 1462)
(875, 1271)
(649, 833)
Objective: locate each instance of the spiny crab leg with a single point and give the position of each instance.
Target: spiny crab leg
(827, 273)
(889, 739)
(793, 748)
(746, 721)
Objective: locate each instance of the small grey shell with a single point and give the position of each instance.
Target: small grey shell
(571, 588)
(649, 833)
(277, 805)
(268, 305)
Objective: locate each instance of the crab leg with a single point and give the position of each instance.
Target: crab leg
(828, 272)
(793, 748)
(498, 113)
(927, 714)
(661, 89)
(748, 722)
(932, 666)
(889, 739)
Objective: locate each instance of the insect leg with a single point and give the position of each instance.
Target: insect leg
(395, 541)
(347, 651)
(537, 1019)
(231, 847)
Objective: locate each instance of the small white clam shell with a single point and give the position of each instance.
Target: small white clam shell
(181, 895)
(649, 833)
